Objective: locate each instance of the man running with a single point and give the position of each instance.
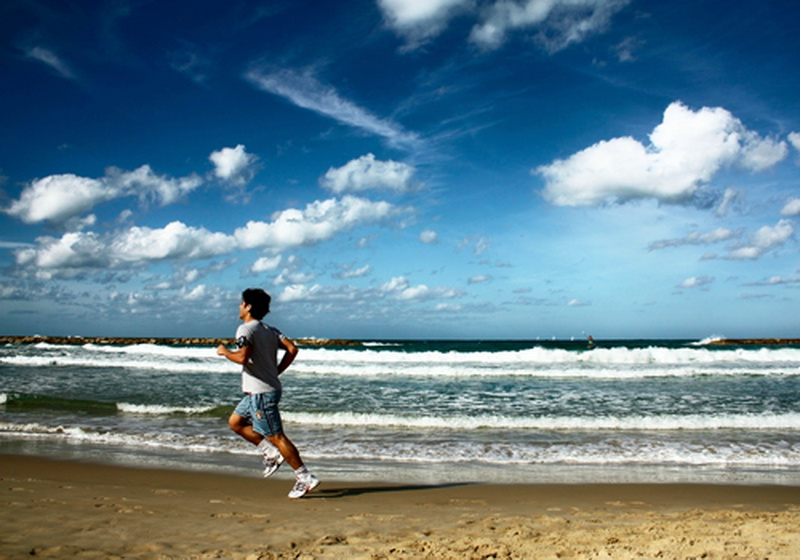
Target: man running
(257, 418)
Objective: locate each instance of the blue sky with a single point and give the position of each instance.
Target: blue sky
(401, 168)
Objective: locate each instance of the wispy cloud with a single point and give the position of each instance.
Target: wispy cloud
(51, 59)
(696, 238)
(304, 90)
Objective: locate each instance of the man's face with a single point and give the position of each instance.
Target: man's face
(243, 310)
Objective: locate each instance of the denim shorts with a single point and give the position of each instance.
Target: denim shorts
(261, 410)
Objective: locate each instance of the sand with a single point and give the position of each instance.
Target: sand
(55, 509)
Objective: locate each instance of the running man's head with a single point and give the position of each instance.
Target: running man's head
(258, 300)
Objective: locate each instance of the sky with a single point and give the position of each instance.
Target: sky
(409, 169)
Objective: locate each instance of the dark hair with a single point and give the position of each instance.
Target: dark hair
(258, 300)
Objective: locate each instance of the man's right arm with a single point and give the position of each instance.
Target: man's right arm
(240, 356)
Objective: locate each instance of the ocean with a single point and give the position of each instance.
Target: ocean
(426, 411)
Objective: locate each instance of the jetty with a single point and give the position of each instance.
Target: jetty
(129, 341)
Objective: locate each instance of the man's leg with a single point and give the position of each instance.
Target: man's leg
(242, 426)
(287, 449)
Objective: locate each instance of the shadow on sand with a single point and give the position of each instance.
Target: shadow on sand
(358, 491)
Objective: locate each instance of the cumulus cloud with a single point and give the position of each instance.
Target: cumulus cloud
(559, 23)
(58, 198)
(764, 240)
(419, 20)
(686, 150)
(175, 241)
(266, 264)
(696, 238)
(76, 251)
(234, 165)
(366, 173)
(305, 91)
(135, 246)
(791, 208)
(401, 289)
(319, 221)
(429, 237)
(794, 140)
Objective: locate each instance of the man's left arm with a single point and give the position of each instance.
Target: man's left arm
(288, 356)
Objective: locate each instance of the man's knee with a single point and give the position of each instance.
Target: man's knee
(236, 423)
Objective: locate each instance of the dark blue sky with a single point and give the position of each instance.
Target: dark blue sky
(399, 168)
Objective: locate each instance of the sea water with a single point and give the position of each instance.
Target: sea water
(426, 411)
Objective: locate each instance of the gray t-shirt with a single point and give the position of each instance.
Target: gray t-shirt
(260, 374)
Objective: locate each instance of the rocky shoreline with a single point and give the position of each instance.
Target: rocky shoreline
(755, 341)
(127, 341)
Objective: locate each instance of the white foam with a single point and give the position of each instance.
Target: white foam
(145, 409)
(789, 421)
(613, 363)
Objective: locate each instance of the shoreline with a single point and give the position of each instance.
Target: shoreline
(83, 510)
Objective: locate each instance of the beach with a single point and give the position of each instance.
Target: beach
(59, 509)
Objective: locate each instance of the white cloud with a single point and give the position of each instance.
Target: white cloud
(58, 198)
(319, 221)
(794, 140)
(305, 91)
(52, 60)
(298, 292)
(775, 281)
(481, 244)
(429, 237)
(198, 293)
(479, 279)
(266, 264)
(367, 173)
(76, 251)
(696, 282)
(686, 150)
(561, 22)
(145, 184)
(234, 165)
(696, 238)
(729, 197)
(175, 241)
(762, 241)
(791, 208)
(401, 289)
(418, 20)
(347, 272)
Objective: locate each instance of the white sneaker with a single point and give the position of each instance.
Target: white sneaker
(271, 464)
(303, 486)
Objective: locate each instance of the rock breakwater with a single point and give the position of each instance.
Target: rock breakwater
(128, 341)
